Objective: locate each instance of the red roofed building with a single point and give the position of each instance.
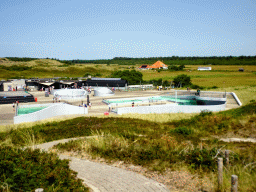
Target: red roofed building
(158, 65)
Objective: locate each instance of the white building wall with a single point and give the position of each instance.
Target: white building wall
(54, 110)
(170, 109)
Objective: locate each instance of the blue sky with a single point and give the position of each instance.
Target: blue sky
(81, 29)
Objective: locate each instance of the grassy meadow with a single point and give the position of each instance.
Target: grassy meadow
(222, 76)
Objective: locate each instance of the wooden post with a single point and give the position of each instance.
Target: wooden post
(220, 173)
(227, 158)
(39, 190)
(234, 183)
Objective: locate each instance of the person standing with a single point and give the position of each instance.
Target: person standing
(109, 107)
(198, 92)
(90, 104)
(13, 106)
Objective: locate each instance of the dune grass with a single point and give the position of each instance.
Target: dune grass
(190, 143)
(159, 118)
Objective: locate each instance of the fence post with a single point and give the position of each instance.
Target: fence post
(227, 158)
(234, 183)
(39, 190)
(220, 173)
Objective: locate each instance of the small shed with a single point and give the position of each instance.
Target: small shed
(144, 67)
(241, 70)
(204, 68)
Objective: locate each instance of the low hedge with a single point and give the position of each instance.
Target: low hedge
(27, 170)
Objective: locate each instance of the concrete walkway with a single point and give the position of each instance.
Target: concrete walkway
(101, 177)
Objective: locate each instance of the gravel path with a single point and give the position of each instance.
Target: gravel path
(101, 177)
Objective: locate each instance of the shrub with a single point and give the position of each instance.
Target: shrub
(204, 113)
(176, 68)
(16, 68)
(201, 158)
(29, 169)
(66, 63)
(182, 131)
(24, 59)
(133, 77)
(193, 86)
(87, 74)
(182, 80)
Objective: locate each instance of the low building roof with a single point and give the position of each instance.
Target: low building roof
(158, 64)
(144, 66)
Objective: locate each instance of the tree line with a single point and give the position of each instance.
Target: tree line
(23, 59)
(173, 60)
(176, 60)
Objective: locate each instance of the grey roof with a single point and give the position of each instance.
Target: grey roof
(105, 79)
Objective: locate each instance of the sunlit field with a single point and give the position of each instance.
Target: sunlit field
(220, 76)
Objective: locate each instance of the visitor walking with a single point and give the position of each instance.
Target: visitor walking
(109, 107)
(132, 104)
(90, 104)
(13, 106)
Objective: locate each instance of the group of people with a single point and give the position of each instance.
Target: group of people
(84, 105)
(56, 99)
(15, 103)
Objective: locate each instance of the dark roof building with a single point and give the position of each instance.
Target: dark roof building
(103, 82)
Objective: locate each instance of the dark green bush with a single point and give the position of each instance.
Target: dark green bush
(193, 86)
(98, 75)
(16, 68)
(176, 68)
(182, 80)
(204, 113)
(87, 74)
(133, 76)
(182, 131)
(201, 158)
(24, 59)
(27, 170)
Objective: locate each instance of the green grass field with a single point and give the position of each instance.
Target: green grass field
(222, 76)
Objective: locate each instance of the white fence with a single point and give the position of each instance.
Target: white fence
(56, 109)
(169, 108)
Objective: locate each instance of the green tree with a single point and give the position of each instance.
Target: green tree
(133, 77)
(182, 80)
